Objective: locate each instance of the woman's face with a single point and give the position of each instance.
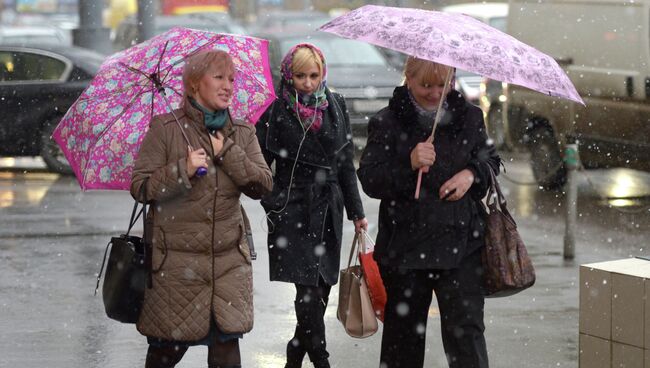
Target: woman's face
(307, 79)
(214, 90)
(428, 96)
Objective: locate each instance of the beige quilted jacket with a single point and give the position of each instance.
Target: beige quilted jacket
(201, 259)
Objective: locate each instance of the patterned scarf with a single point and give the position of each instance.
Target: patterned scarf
(308, 108)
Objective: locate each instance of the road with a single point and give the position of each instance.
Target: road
(53, 236)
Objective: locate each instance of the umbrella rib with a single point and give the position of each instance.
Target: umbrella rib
(117, 91)
(169, 68)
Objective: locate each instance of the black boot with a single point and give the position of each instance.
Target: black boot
(324, 363)
(296, 347)
(295, 353)
(320, 350)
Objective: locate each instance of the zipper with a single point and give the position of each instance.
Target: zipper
(214, 208)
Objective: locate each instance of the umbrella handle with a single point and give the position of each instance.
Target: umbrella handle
(417, 186)
(201, 171)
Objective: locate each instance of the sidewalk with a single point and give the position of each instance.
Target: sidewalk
(53, 238)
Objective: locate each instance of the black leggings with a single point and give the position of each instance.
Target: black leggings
(309, 336)
(220, 355)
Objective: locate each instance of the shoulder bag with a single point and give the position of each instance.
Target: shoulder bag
(355, 309)
(508, 268)
(127, 271)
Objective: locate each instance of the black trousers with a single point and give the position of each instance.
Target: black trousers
(460, 300)
(309, 336)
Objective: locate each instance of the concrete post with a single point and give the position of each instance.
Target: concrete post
(146, 18)
(91, 34)
(572, 164)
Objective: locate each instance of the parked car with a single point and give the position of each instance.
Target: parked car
(26, 35)
(37, 86)
(289, 20)
(357, 70)
(608, 63)
(126, 34)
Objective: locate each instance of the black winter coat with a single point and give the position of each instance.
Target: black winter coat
(305, 222)
(427, 233)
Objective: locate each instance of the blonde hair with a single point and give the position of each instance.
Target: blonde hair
(302, 57)
(427, 72)
(197, 65)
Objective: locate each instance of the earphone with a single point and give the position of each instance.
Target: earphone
(295, 163)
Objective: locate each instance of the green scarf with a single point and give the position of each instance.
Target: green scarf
(212, 120)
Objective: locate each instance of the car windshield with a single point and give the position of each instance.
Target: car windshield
(340, 51)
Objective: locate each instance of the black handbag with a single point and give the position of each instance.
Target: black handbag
(127, 271)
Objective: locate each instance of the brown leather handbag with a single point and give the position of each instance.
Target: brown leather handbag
(508, 268)
(355, 309)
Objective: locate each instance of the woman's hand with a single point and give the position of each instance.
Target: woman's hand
(423, 156)
(217, 142)
(456, 187)
(360, 224)
(196, 159)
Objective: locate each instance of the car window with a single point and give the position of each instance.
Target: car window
(499, 23)
(340, 51)
(25, 66)
(33, 39)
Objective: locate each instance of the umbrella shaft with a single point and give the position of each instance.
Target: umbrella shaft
(445, 90)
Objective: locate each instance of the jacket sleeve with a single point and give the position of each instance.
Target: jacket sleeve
(261, 130)
(483, 157)
(165, 180)
(382, 173)
(245, 165)
(346, 172)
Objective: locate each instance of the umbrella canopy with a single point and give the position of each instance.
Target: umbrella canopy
(456, 40)
(101, 133)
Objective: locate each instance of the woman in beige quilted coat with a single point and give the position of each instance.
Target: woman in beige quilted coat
(201, 291)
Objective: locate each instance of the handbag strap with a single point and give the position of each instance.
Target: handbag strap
(496, 199)
(355, 243)
(132, 221)
(358, 241)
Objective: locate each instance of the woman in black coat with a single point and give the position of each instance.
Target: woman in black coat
(306, 134)
(431, 243)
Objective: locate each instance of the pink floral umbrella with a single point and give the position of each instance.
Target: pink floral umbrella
(101, 133)
(455, 40)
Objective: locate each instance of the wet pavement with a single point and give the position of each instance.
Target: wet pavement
(53, 236)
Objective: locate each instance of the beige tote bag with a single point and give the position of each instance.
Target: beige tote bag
(355, 309)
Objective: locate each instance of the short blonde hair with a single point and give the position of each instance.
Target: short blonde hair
(197, 65)
(428, 72)
(302, 57)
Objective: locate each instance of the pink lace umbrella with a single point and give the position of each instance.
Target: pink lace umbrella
(101, 133)
(459, 41)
